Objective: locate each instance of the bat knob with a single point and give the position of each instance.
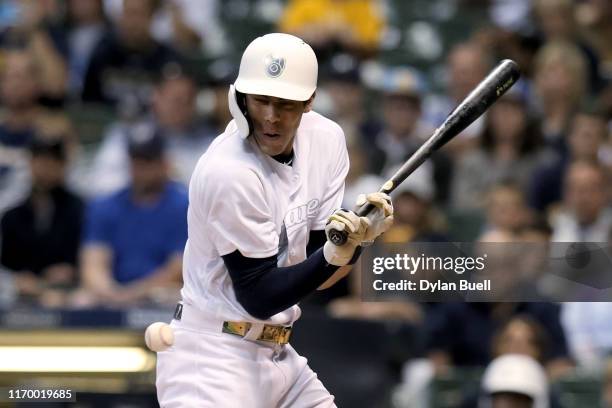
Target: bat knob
(338, 238)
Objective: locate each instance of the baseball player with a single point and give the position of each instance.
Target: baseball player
(261, 200)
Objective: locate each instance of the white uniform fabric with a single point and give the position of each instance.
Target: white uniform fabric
(241, 199)
(205, 368)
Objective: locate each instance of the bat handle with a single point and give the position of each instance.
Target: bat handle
(339, 237)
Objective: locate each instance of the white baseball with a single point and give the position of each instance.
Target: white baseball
(159, 336)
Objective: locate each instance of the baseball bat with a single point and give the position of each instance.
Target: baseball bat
(489, 90)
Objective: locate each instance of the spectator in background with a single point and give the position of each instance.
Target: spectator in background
(33, 30)
(85, 25)
(402, 130)
(507, 211)
(358, 178)
(561, 84)
(516, 377)
(518, 45)
(125, 62)
(467, 64)
(40, 237)
(221, 74)
(586, 215)
(347, 94)
(509, 151)
(173, 114)
(514, 381)
(594, 17)
(134, 238)
(452, 342)
(521, 335)
(415, 219)
(174, 111)
(586, 140)
(330, 26)
(182, 23)
(19, 95)
(557, 20)
(587, 326)
(186, 24)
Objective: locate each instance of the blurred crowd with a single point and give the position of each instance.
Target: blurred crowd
(101, 221)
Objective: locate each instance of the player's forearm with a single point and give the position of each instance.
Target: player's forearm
(339, 274)
(264, 289)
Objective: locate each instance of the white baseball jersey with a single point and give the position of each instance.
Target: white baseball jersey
(242, 199)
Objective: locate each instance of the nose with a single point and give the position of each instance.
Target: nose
(271, 114)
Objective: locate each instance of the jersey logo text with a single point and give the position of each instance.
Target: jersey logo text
(300, 215)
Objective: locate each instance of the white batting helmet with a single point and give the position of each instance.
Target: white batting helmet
(279, 65)
(516, 373)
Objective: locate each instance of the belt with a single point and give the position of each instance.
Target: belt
(276, 334)
(270, 333)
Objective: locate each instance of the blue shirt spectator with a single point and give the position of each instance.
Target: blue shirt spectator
(133, 243)
(142, 237)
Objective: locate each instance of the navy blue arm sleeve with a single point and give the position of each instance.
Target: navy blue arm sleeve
(265, 289)
(316, 239)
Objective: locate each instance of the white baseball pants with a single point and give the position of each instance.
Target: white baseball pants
(207, 368)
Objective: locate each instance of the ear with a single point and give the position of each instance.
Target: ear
(308, 103)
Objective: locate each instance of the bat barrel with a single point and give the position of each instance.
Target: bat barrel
(503, 76)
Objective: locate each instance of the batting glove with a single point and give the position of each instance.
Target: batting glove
(355, 226)
(380, 219)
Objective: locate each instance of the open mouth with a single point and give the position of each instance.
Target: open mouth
(272, 135)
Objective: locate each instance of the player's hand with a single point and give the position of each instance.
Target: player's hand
(355, 226)
(380, 219)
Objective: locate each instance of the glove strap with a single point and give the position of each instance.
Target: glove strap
(356, 255)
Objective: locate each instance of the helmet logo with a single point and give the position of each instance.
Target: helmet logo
(274, 66)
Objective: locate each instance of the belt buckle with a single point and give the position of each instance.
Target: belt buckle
(285, 335)
(270, 333)
(277, 334)
(236, 328)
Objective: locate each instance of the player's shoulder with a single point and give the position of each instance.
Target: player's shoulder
(227, 153)
(324, 136)
(318, 124)
(226, 182)
(230, 159)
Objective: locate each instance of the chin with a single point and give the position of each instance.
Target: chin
(273, 151)
(271, 148)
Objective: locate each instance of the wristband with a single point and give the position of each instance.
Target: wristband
(356, 255)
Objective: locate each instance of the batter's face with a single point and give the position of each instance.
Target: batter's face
(275, 122)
